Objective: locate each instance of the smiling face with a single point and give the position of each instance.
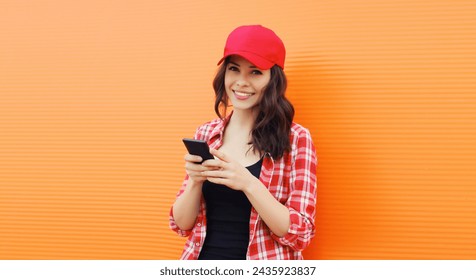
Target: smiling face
(244, 83)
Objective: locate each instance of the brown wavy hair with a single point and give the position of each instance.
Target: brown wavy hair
(270, 132)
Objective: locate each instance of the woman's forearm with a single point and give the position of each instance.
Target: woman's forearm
(185, 208)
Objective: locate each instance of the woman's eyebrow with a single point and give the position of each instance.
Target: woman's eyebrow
(232, 62)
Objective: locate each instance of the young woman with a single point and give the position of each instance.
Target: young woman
(257, 198)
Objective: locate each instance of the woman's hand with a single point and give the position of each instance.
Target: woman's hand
(194, 169)
(228, 172)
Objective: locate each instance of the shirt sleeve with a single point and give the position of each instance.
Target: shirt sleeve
(303, 191)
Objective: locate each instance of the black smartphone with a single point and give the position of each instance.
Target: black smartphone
(198, 148)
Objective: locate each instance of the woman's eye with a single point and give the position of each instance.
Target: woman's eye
(256, 72)
(233, 68)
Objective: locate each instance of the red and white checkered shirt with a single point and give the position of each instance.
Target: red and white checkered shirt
(290, 179)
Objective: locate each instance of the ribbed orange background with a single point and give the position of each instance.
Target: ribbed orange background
(95, 97)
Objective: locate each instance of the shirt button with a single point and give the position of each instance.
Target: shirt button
(199, 224)
(197, 244)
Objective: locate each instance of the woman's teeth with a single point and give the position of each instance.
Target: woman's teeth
(244, 94)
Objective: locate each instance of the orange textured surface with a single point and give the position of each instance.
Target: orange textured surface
(95, 97)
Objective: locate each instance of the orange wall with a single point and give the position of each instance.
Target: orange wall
(95, 97)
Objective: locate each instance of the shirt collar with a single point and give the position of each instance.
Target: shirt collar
(219, 129)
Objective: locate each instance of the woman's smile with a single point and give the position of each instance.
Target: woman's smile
(241, 95)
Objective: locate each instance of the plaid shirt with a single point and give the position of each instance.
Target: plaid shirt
(290, 179)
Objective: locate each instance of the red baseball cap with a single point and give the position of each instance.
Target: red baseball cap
(258, 44)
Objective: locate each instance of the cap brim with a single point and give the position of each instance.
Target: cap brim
(254, 59)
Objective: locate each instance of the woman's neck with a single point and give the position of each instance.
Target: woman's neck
(243, 120)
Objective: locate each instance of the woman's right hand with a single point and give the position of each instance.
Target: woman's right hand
(194, 168)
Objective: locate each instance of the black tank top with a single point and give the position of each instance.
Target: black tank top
(228, 219)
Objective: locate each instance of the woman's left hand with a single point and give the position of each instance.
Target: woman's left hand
(229, 172)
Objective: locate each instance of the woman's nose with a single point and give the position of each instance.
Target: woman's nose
(241, 82)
